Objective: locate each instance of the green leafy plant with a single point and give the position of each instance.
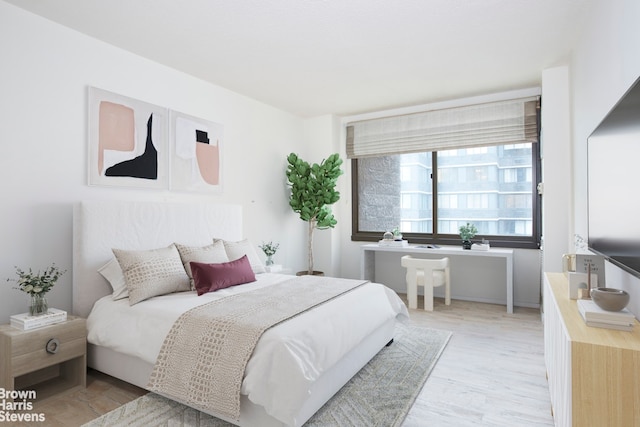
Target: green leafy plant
(396, 233)
(269, 248)
(37, 283)
(313, 189)
(468, 232)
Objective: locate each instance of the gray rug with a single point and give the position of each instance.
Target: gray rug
(381, 394)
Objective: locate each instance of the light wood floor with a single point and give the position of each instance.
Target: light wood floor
(491, 374)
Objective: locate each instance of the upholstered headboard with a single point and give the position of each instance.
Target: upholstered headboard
(102, 225)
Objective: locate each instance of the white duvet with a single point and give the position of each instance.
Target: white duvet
(288, 358)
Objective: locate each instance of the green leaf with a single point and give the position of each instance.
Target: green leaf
(313, 188)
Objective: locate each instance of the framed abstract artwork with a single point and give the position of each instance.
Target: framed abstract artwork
(196, 153)
(128, 144)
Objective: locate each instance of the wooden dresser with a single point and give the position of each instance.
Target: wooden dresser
(593, 373)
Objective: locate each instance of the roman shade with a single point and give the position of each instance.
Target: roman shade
(493, 123)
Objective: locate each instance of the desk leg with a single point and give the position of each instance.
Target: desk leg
(509, 261)
(368, 265)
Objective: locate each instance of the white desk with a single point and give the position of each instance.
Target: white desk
(368, 260)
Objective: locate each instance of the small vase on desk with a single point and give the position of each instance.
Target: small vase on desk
(38, 305)
(269, 260)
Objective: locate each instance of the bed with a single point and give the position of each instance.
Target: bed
(125, 341)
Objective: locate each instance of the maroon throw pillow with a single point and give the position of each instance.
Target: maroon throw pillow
(211, 277)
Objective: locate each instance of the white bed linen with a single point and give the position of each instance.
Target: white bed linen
(288, 357)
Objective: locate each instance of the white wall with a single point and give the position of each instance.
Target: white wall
(604, 64)
(322, 136)
(556, 167)
(46, 69)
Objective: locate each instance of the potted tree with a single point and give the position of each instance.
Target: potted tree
(467, 232)
(313, 189)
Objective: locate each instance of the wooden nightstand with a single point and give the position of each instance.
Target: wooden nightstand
(25, 363)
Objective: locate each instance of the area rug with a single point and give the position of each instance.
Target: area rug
(381, 394)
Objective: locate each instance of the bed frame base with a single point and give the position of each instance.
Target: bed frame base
(135, 371)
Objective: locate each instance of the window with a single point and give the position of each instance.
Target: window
(478, 186)
(431, 172)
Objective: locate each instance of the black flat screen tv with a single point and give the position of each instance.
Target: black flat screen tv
(614, 184)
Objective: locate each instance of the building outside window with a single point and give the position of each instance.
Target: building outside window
(491, 187)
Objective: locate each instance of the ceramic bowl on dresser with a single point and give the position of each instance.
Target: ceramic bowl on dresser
(610, 299)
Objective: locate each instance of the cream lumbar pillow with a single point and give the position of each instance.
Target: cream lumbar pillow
(235, 250)
(211, 254)
(154, 272)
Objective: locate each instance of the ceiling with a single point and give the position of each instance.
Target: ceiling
(345, 57)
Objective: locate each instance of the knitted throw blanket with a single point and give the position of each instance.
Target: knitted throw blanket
(204, 355)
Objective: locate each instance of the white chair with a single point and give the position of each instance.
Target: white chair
(429, 273)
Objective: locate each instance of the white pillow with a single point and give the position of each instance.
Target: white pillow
(211, 254)
(152, 272)
(113, 273)
(235, 250)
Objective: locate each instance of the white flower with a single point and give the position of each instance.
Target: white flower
(28, 288)
(37, 289)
